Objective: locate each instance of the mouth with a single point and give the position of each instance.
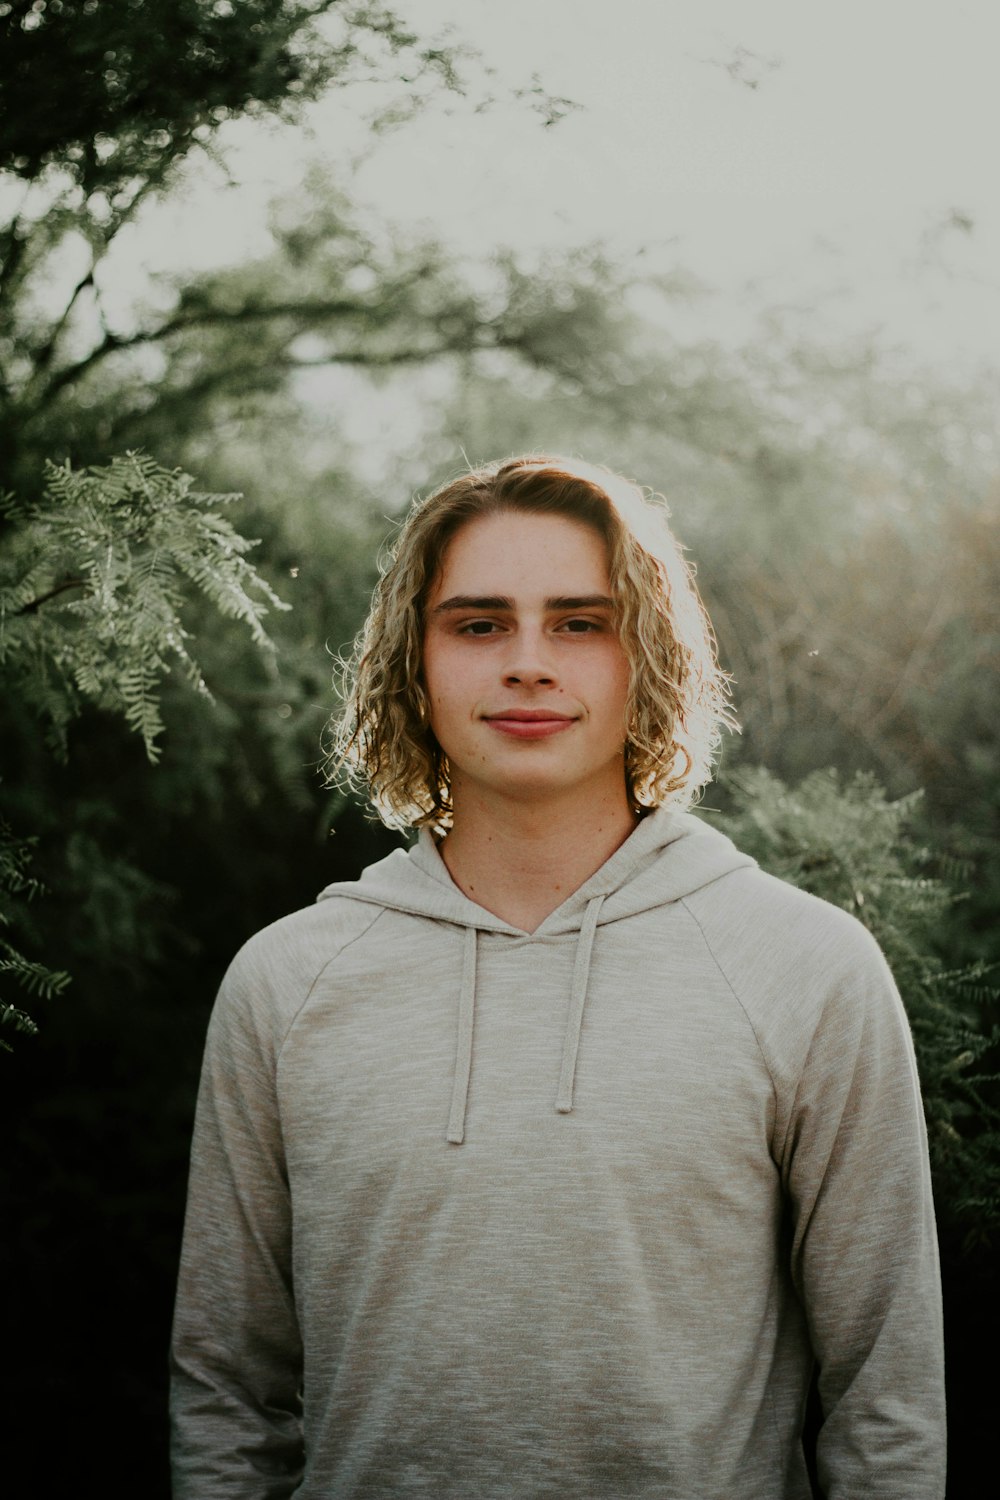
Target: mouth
(529, 723)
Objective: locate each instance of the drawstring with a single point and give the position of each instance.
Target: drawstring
(578, 994)
(574, 1023)
(463, 1050)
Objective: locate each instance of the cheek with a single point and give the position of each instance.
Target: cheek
(446, 686)
(620, 676)
(433, 672)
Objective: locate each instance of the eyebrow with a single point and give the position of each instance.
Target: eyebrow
(487, 602)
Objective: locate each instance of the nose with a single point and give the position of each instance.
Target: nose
(529, 660)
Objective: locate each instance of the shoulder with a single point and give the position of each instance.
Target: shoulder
(758, 921)
(300, 943)
(795, 963)
(273, 974)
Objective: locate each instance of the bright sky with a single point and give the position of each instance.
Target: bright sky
(839, 159)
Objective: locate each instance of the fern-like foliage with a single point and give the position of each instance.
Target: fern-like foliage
(93, 583)
(17, 882)
(94, 577)
(852, 845)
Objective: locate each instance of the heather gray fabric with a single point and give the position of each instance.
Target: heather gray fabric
(563, 1214)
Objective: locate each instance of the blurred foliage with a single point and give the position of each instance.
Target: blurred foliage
(850, 844)
(231, 346)
(17, 883)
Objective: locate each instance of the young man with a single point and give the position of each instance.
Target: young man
(550, 1158)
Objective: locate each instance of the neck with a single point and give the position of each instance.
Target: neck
(521, 861)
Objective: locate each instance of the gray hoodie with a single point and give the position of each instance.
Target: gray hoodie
(480, 1213)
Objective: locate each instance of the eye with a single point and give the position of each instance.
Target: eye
(479, 628)
(581, 626)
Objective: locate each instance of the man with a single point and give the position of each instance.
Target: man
(550, 1158)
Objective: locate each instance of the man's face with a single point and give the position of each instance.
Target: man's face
(525, 674)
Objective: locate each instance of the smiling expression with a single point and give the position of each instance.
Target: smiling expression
(525, 674)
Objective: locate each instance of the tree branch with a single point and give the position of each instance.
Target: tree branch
(319, 310)
(112, 343)
(127, 429)
(60, 588)
(44, 356)
(13, 254)
(406, 356)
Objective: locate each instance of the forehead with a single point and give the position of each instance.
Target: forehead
(526, 553)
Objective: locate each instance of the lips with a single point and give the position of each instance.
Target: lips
(529, 723)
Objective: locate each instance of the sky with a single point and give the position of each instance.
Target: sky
(839, 161)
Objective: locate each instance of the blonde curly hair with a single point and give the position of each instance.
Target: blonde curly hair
(678, 701)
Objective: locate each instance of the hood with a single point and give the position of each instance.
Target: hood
(669, 856)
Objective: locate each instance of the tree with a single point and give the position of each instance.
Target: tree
(92, 586)
(101, 107)
(333, 293)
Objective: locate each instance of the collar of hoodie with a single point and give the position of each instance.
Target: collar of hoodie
(669, 855)
(574, 1023)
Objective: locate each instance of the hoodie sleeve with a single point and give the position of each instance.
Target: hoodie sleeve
(236, 1355)
(864, 1248)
